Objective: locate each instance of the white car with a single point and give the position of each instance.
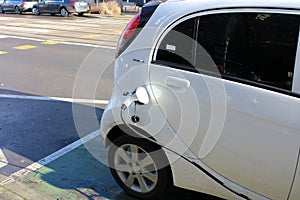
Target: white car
(207, 98)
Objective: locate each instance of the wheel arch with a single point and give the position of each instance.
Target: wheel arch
(121, 130)
(61, 7)
(130, 130)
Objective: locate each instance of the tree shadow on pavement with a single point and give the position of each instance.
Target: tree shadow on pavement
(80, 175)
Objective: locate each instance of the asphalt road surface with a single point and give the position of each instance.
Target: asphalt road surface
(36, 71)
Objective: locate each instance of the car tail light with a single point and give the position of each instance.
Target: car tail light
(23, 3)
(73, 3)
(128, 34)
(135, 26)
(131, 27)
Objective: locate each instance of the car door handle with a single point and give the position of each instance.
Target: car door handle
(177, 82)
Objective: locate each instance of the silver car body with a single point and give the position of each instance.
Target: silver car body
(252, 138)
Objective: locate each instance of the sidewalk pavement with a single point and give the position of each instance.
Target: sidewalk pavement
(11, 189)
(76, 175)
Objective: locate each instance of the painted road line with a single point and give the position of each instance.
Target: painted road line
(91, 36)
(50, 42)
(88, 45)
(62, 42)
(3, 159)
(24, 38)
(3, 52)
(37, 165)
(117, 31)
(124, 18)
(25, 47)
(41, 98)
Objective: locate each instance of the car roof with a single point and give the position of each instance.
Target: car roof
(219, 4)
(170, 10)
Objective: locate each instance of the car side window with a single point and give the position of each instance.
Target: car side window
(255, 47)
(177, 47)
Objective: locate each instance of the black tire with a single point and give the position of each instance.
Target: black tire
(1, 10)
(80, 14)
(64, 12)
(52, 14)
(17, 10)
(35, 11)
(140, 178)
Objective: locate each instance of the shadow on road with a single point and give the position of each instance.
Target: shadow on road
(79, 175)
(32, 129)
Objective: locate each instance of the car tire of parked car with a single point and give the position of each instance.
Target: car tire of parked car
(64, 12)
(35, 11)
(17, 10)
(80, 14)
(1, 10)
(139, 167)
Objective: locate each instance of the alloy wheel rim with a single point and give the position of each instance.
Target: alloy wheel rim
(17, 10)
(136, 168)
(63, 12)
(34, 10)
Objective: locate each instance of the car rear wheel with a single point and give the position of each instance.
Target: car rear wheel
(1, 10)
(80, 14)
(139, 167)
(64, 12)
(35, 11)
(17, 10)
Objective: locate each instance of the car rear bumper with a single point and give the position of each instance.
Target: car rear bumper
(25, 9)
(78, 9)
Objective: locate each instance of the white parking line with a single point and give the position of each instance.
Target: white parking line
(61, 42)
(37, 165)
(23, 38)
(3, 159)
(41, 98)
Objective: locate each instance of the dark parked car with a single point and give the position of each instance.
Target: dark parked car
(62, 7)
(17, 6)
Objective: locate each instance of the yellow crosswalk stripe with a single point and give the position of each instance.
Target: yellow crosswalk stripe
(91, 36)
(123, 18)
(25, 47)
(2, 52)
(117, 31)
(50, 42)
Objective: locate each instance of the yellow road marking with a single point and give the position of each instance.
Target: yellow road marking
(50, 42)
(117, 31)
(25, 47)
(91, 36)
(2, 52)
(123, 18)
